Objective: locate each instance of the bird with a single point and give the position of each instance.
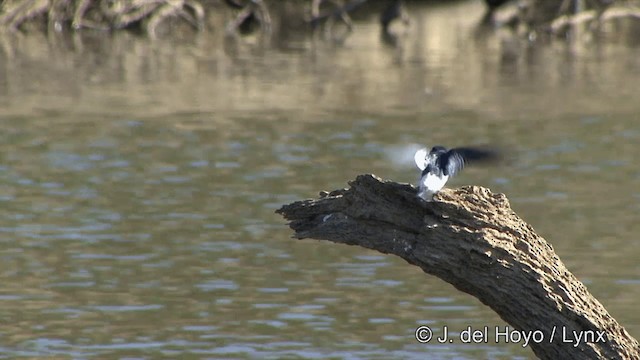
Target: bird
(440, 163)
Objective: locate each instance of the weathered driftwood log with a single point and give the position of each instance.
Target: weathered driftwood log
(472, 239)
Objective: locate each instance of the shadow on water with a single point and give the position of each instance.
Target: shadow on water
(138, 183)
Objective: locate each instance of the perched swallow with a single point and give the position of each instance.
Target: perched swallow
(440, 163)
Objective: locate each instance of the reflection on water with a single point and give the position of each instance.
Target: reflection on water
(138, 182)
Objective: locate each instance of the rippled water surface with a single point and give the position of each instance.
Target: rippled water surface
(138, 183)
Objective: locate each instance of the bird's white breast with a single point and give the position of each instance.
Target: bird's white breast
(431, 184)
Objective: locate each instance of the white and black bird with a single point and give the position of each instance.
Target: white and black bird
(441, 163)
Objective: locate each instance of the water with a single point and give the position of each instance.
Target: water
(139, 180)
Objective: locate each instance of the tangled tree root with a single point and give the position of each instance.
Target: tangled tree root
(17, 12)
(101, 15)
(252, 13)
(556, 17)
(531, 16)
(593, 17)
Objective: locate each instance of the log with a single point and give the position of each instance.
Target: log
(472, 239)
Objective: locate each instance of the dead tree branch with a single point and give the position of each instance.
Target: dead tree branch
(471, 239)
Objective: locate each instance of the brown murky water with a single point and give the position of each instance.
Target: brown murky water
(138, 182)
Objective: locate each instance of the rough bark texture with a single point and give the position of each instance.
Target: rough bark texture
(471, 239)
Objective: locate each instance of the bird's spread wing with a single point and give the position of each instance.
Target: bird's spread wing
(451, 162)
(420, 158)
(454, 160)
(478, 153)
